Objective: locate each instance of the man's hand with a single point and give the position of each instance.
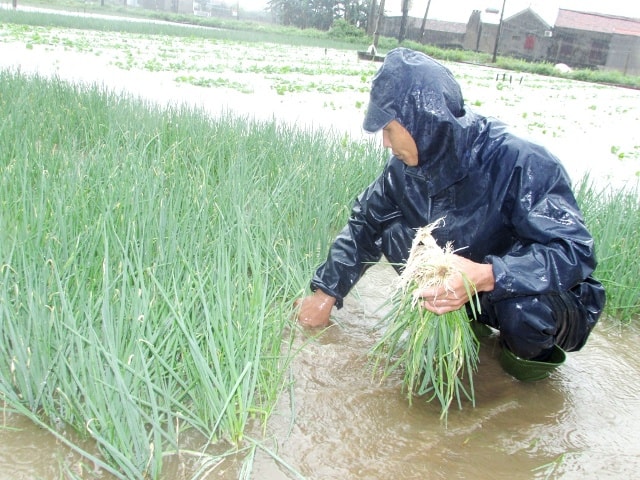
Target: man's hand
(443, 300)
(315, 309)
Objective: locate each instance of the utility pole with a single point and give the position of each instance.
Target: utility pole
(495, 47)
(424, 22)
(376, 33)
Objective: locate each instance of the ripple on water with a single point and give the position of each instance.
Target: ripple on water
(580, 422)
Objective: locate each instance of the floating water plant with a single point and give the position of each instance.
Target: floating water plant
(436, 352)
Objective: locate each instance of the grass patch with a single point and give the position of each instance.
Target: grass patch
(191, 26)
(613, 216)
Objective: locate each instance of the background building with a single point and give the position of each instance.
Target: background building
(578, 39)
(592, 40)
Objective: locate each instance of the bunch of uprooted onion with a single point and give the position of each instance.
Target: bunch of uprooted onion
(438, 353)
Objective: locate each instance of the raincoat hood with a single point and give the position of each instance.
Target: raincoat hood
(423, 96)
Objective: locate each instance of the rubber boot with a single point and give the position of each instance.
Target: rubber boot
(480, 329)
(531, 370)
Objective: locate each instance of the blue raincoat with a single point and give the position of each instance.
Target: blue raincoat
(506, 200)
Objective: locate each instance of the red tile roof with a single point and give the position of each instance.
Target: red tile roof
(597, 22)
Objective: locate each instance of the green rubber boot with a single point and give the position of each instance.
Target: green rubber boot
(480, 329)
(531, 370)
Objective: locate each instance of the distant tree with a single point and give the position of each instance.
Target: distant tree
(319, 14)
(355, 12)
(406, 4)
(371, 17)
(289, 12)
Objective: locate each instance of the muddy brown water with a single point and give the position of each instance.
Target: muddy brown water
(336, 422)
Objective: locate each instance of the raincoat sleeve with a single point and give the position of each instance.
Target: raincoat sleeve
(554, 251)
(359, 244)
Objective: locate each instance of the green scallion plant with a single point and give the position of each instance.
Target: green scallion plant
(436, 352)
(149, 258)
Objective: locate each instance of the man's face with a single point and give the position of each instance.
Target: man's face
(401, 143)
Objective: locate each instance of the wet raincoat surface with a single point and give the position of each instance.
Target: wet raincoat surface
(506, 200)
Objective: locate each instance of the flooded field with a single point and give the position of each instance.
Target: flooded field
(579, 423)
(591, 128)
(336, 421)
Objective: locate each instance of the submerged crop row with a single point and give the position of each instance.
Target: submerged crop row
(203, 62)
(148, 263)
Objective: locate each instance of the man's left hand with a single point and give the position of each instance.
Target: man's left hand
(455, 294)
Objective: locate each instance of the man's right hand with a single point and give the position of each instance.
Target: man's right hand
(315, 310)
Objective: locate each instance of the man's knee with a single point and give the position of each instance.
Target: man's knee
(527, 326)
(531, 325)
